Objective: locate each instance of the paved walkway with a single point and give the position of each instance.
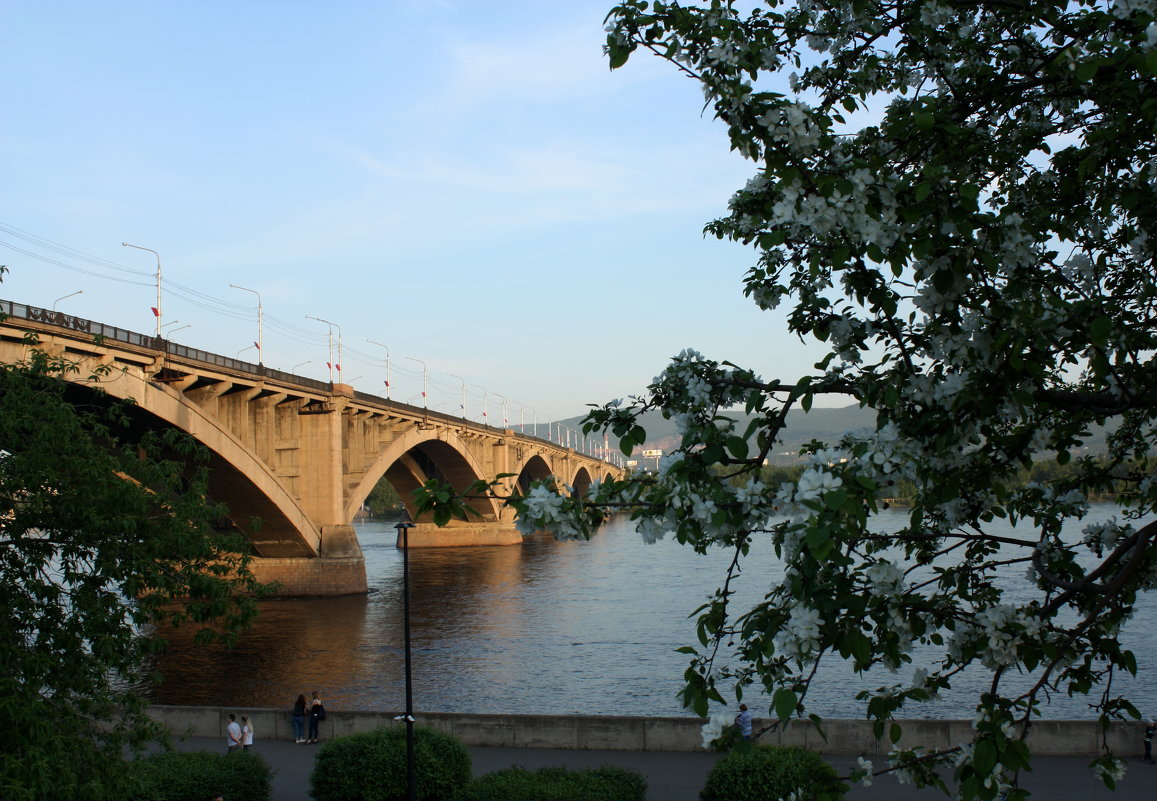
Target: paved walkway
(679, 776)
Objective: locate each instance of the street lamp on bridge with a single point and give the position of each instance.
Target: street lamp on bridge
(504, 420)
(69, 295)
(330, 362)
(425, 400)
(260, 342)
(380, 345)
(460, 378)
(157, 310)
(483, 402)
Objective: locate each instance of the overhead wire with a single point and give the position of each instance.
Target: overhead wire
(230, 309)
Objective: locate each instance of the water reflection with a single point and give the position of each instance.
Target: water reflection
(545, 627)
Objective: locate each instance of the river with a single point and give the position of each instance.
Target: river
(545, 627)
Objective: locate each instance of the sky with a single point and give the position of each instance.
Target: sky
(465, 187)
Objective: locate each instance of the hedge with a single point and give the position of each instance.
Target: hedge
(197, 775)
(371, 766)
(772, 772)
(558, 784)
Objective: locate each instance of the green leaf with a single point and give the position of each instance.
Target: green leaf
(784, 702)
(984, 756)
(737, 446)
(1099, 330)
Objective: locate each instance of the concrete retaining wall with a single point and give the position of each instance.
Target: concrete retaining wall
(1047, 738)
(320, 577)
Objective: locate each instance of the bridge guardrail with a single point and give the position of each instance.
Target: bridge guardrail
(60, 320)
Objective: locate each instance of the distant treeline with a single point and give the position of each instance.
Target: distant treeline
(1042, 471)
(383, 500)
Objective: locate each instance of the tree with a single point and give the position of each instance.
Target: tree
(105, 536)
(960, 200)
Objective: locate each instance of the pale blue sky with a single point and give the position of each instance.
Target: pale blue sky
(465, 182)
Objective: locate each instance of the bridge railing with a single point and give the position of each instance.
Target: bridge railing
(95, 329)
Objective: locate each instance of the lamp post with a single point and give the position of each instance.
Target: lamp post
(483, 402)
(504, 421)
(260, 341)
(157, 310)
(380, 345)
(425, 400)
(330, 362)
(169, 335)
(460, 378)
(77, 292)
(405, 523)
(534, 415)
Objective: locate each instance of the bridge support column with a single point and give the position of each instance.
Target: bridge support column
(456, 533)
(340, 568)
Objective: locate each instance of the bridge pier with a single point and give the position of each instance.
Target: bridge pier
(339, 568)
(459, 533)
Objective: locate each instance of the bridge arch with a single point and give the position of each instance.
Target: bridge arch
(581, 483)
(534, 468)
(274, 523)
(416, 457)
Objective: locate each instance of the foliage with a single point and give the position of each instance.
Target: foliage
(104, 533)
(960, 201)
(383, 499)
(196, 775)
(770, 771)
(371, 766)
(607, 783)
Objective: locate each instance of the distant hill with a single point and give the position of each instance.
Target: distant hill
(802, 427)
(824, 424)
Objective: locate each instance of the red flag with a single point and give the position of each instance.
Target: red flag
(256, 346)
(155, 312)
(329, 366)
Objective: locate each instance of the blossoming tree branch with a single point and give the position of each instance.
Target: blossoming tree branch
(959, 199)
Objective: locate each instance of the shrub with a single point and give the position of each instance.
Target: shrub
(558, 784)
(371, 766)
(772, 772)
(196, 775)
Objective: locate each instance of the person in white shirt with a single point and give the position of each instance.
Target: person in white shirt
(246, 732)
(232, 734)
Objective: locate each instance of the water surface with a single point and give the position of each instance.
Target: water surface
(543, 627)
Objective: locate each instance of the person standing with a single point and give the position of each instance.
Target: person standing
(299, 719)
(316, 716)
(232, 735)
(743, 721)
(246, 733)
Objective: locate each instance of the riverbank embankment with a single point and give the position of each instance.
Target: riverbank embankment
(1079, 738)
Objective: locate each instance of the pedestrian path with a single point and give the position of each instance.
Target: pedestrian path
(677, 776)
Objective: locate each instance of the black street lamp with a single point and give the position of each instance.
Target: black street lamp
(405, 523)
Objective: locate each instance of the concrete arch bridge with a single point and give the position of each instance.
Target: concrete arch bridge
(302, 455)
